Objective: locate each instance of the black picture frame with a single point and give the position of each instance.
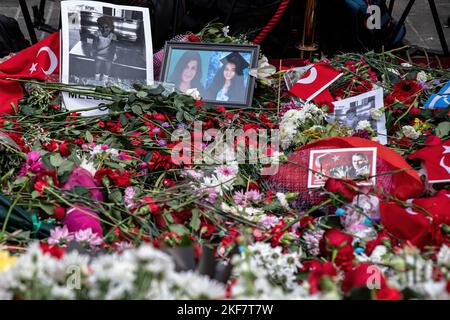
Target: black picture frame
(170, 46)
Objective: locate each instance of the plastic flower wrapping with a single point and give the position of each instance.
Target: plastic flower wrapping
(147, 202)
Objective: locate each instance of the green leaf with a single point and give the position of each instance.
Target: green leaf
(116, 196)
(21, 180)
(141, 94)
(136, 108)
(179, 115)
(443, 129)
(65, 166)
(195, 221)
(35, 194)
(48, 208)
(56, 160)
(89, 137)
(27, 110)
(179, 229)
(156, 91)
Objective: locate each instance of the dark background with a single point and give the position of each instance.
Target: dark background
(249, 15)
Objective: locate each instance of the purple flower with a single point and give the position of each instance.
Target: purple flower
(435, 82)
(60, 236)
(424, 85)
(162, 143)
(156, 130)
(361, 134)
(240, 198)
(129, 197)
(165, 124)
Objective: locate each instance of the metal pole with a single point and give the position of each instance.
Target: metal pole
(308, 44)
(28, 22)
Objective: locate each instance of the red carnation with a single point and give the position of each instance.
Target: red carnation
(54, 251)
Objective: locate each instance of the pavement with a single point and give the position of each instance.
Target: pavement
(420, 27)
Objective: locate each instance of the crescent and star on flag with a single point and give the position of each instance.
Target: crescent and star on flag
(53, 62)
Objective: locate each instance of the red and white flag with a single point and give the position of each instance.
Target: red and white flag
(313, 83)
(418, 223)
(40, 62)
(436, 157)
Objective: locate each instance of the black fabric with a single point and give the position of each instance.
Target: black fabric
(11, 37)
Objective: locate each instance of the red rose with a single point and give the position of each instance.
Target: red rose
(64, 150)
(388, 294)
(60, 213)
(335, 238)
(345, 187)
(363, 276)
(339, 244)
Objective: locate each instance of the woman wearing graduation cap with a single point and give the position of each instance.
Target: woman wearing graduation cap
(228, 83)
(188, 72)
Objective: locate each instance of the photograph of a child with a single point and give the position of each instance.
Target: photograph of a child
(345, 163)
(221, 75)
(106, 44)
(103, 45)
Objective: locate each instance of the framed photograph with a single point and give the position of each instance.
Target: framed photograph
(220, 72)
(345, 163)
(104, 44)
(352, 110)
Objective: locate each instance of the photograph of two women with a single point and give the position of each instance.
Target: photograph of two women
(219, 74)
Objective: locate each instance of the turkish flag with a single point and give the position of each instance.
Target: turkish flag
(40, 62)
(421, 223)
(436, 156)
(315, 81)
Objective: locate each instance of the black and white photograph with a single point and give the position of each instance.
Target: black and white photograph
(105, 44)
(352, 110)
(220, 73)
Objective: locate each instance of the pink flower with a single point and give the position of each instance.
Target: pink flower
(32, 163)
(88, 238)
(269, 221)
(60, 236)
(240, 198)
(227, 171)
(253, 195)
(129, 197)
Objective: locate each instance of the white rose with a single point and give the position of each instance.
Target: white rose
(422, 76)
(410, 132)
(363, 125)
(376, 114)
(194, 93)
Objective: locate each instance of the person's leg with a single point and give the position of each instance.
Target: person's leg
(98, 67)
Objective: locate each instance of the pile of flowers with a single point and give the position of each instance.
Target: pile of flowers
(117, 200)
